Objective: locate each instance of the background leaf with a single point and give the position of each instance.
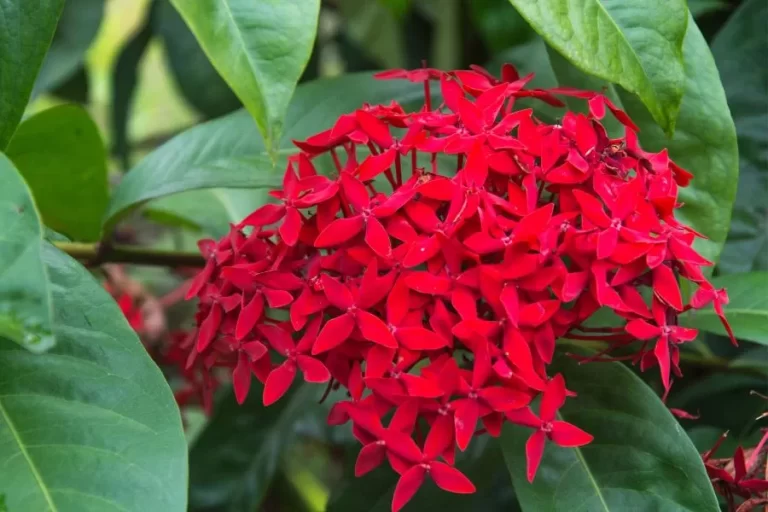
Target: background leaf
(638, 45)
(196, 78)
(80, 21)
(228, 152)
(25, 297)
(26, 29)
(640, 458)
(236, 456)
(259, 47)
(91, 425)
(740, 49)
(62, 157)
(747, 312)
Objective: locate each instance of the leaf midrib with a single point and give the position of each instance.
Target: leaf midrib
(22, 448)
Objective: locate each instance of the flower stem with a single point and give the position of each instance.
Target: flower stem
(92, 255)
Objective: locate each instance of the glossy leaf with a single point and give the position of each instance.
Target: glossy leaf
(26, 310)
(79, 23)
(91, 425)
(482, 463)
(237, 455)
(740, 49)
(747, 311)
(62, 157)
(640, 458)
(196, 78)
(229, 153)
(26, 29)
(259, 47)
(638, 45)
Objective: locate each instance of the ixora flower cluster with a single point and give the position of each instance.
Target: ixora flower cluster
(432, 271)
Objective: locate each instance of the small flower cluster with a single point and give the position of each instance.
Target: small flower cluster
(432, 270)
(745, 475)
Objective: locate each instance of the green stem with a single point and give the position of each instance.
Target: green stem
(96, 254)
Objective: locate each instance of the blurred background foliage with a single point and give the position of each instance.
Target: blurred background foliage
(142, 76)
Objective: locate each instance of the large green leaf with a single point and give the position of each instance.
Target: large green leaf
(25, 298)
(640, 458)
(62, 157)
(235, 458)
(740, 49)
(78, 26)
(260, 47)
(197, 79)
(747, 312)
(228, 152)
(26, 30)
(638, 44)
(91, 425)
(482, 463)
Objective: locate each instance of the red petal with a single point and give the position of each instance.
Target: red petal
(248, 316)
(465, 420)
(278, 337)
(641, 329)
(427, 283)
(440, 436)
(661, 351)
(370, 457)
(255, 350)
(339, 231)
(241, 377)
(407, 486)
(355, 192)
(450, 479)
(314, 371)
(374, 329)
(504, 399)
(209, 327)
(267, 214)
(291, 227)
(376, 164)
(666, 287)
(334, 333)
(553, 399)
(377, 238)
(419, 338)
(278, 382)
(374, 127)
(569, 436)
(337, 293)
(534, 450)
(592, 209)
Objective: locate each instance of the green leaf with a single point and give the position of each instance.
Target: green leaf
(26, 30)
(91, 425)
(482, 463)
(25, 298)
(222, 207)
(229, 153)
(125, 78)
(638, 45)
(197, 79)
(260, 47)
(747, 311)
(79, 23)
(62, 157)
(237, 455)
(640, 458)
(740, 49)
(702, 7)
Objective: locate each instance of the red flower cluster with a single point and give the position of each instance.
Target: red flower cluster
(439, 293)
(745, 476)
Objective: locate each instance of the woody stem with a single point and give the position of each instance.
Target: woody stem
(98, 253)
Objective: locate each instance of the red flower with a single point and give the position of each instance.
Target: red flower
(547, 427)
(433, 272)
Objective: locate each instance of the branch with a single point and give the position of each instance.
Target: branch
(92, 255)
